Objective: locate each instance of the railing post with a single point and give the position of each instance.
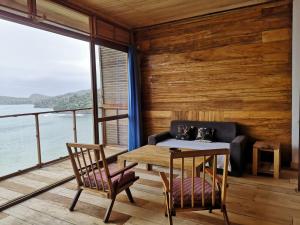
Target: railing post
(38, 140)
(74, 126)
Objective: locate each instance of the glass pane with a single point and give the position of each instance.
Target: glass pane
(17, 138)
(62, 15)
(55, 132)
(37, 77)
(84, 124)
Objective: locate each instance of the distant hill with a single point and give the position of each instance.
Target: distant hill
(73, 100)
(5, 100)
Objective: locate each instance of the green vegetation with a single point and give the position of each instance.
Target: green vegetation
(5, 100)
(74, 100)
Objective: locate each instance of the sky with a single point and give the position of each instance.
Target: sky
(34, 61)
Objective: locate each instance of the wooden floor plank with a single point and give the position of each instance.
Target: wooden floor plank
(251, 200)
(32, 216)
(11, 220)
(83, 207)
(59, 212)
(3, 215)
(8, 194)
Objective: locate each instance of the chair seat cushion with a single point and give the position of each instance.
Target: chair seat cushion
(187, 193)
(128, 177)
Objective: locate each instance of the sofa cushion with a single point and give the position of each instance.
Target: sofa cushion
(206, 134)
(186, 133)
(224, 131)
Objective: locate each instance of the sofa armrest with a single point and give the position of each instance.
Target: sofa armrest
(155, 138)
(237, 155)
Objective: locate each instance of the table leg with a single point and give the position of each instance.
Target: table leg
(254, 161)
(149, 167)
(276, 163)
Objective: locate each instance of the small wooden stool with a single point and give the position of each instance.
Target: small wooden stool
(266, 147)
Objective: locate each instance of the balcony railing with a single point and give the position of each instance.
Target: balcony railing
(102, 119)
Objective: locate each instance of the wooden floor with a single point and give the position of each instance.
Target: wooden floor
(251, 200)
(48, 175)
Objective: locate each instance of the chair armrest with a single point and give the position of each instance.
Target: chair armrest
(237, 155)
(155, 138)
(165, 181)
(123, 170)
(239, 139)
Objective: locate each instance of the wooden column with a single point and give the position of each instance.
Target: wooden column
(296, 88)
(94, 79)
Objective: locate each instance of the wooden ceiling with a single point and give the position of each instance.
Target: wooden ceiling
(141, 13)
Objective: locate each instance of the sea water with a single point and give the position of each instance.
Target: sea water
(18, 145)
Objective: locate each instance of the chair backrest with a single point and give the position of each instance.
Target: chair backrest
(89, 163)
(192, 159)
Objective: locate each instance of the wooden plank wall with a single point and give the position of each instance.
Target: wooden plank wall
(230, 66)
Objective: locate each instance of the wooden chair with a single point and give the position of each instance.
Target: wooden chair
(93, 171)
(204, 192)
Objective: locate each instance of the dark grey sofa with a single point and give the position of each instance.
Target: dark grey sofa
(225, 132)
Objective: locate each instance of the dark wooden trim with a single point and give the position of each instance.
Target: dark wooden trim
(31, 4)
(112, 44)
(109, 118)
(35, 193)
(43, 26)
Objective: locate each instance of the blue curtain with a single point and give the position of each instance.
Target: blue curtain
(134, 101)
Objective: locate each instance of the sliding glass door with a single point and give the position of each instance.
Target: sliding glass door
(112, 75)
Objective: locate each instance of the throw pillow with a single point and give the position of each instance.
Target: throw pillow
(206, 134)
(186, 133)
